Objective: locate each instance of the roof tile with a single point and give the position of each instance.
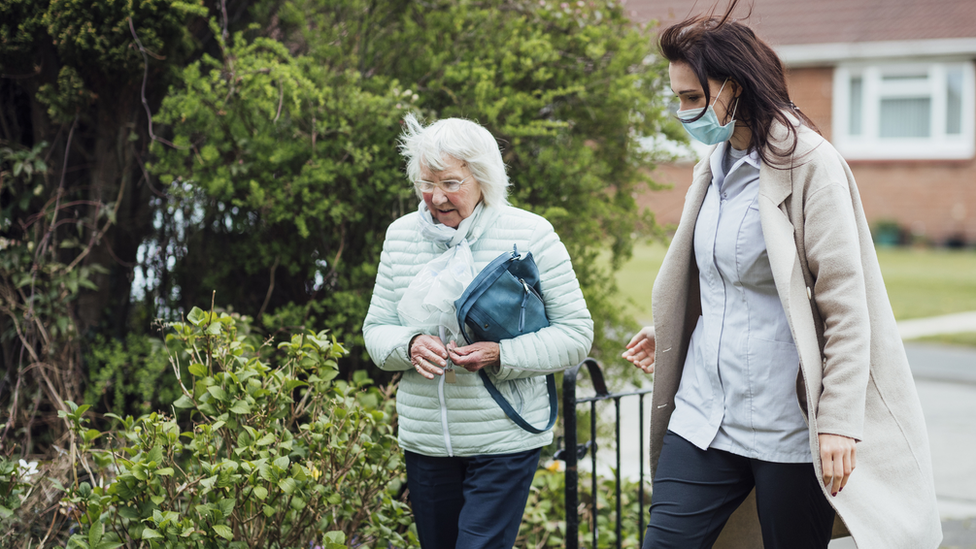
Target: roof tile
(791, 22)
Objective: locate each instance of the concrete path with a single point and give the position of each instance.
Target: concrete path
(946, 380)
(947, 324)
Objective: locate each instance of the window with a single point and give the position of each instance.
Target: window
(905, 110)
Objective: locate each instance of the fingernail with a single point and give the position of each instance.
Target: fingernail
(841, 490)
(834, 494)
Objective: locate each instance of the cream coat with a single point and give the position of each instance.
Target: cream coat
(854, 376)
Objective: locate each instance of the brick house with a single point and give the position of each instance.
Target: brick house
(889, 82)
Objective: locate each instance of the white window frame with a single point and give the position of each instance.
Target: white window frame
(868, 145)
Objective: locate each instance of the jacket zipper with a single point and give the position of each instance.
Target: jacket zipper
(447, 434)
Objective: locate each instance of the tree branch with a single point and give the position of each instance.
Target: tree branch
(267, 296)
(145, 77)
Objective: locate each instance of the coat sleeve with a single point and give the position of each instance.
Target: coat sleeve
(833, 253)
(567, 340)
(387, 341)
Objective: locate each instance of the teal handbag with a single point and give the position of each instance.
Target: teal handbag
(505, 301)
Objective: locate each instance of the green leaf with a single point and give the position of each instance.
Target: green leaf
(95, 533)
(241, 407)
(156, 454)
(282, 463)
(158, 500)
(149, 533)
(218, 393)
(130, 513)
(184, 402)
(287, 485)
(197, 369)
(196, 316)
(223, 531)
(261, 492)
(226, 506)
(267, 439)
(209, 482)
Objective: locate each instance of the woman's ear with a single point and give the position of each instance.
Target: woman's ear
(736, 88)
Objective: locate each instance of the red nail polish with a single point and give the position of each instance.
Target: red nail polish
(834, 494)
(841, 490)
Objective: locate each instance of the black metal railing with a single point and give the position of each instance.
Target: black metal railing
(572, 457)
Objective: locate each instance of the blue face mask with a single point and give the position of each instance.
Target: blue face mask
(707, 129)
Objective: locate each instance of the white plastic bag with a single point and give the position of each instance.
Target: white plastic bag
(428, 302)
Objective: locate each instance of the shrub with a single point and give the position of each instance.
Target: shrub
(544, 522)
(130, 376)
(275, 454)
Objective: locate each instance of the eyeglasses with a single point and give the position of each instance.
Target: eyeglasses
(448, 186)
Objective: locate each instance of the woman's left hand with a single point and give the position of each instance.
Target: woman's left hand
(838, 457)
(475, 356)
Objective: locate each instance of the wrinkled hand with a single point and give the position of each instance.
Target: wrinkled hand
(640, 350)
(475, 356)
(838, 456)
(428, 355)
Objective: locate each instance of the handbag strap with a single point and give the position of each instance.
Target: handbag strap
(512, 414)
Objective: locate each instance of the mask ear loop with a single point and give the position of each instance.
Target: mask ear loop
(734, 107)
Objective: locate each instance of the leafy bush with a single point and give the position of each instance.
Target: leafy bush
(14, 484)
(130, 376)
(276, 454)
(544, 522)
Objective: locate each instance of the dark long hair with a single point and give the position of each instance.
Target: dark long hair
(720, 48)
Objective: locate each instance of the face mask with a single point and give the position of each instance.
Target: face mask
(707, 129)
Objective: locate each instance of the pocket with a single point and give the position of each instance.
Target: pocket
(513, 392)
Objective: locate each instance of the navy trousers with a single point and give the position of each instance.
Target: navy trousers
(696, 491)
(470, 502)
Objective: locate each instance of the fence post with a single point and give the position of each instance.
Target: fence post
(572, 473)
(571, 448)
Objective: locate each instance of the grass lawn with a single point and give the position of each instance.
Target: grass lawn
(920, 282)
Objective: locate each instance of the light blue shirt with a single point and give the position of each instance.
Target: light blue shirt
(738, 387)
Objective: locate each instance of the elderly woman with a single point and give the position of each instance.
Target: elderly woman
(779, 371)
(469, 467)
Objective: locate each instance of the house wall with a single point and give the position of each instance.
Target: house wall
(932, 200)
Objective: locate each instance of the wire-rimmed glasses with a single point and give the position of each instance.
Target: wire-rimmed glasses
(448, 185)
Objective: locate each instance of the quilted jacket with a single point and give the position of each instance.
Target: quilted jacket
(461, 419)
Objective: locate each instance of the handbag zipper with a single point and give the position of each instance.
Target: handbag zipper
(525, 297)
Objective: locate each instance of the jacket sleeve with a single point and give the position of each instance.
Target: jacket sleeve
(567, 339)
(387, 341)
(833, 253)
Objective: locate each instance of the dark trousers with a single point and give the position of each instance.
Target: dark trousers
(470, 502)
(695, 491)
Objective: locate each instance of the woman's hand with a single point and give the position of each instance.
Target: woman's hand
(428, 355)
(475, 356)
(838, 457)
(640, 350)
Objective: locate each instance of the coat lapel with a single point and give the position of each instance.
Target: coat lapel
(778, 232)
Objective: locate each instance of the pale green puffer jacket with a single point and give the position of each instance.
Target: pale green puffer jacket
(465, 421)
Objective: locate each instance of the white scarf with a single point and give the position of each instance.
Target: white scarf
(428, 302)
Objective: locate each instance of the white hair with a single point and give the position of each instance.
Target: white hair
(463, 140)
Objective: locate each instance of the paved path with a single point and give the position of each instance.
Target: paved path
(946, 380)
(948, 324)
